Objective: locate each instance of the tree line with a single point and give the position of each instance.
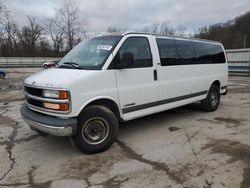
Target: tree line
(233, 34)
(55, 36)
(63, 31)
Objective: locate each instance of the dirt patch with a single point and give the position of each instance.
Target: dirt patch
(230, 122)
(238, 90)
(237, 151)
(172, 129)
(86, 165)
(159, 166)
(207, 120)
(27, 139)
(10, 96)
(7, 120)
(114, 182)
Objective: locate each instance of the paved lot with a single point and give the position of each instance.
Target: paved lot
(184, 147)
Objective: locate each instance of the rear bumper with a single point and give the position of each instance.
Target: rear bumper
(48, 124)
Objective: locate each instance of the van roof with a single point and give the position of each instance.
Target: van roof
(162, 35)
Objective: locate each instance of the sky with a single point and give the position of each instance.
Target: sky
(135, 14)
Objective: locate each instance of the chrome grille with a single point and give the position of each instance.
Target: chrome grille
(34, 91)
(35, 100)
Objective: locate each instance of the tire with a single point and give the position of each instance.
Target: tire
(212, 101)
(95, 121)
(2, 76)
(45, 66)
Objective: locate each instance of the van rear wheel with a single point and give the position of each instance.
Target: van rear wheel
(212, 101)
(96, 130)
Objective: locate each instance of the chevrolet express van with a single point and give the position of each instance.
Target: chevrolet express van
(114, 78)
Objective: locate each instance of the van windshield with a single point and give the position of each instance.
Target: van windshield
(90, 54)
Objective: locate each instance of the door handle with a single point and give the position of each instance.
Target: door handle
(155, 75)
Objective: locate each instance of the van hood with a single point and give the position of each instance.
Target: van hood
(56, 78)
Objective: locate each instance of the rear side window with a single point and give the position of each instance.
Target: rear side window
(167, 50)
(186, 53)
(139, 47)
(208, 53)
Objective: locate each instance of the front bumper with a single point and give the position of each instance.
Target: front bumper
(48, 124)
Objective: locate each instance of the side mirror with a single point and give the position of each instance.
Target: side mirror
(126, 61)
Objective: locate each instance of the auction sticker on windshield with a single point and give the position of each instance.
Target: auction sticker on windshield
(104, 47)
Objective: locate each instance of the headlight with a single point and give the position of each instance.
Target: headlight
(62, 94)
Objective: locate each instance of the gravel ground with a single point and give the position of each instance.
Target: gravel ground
(183, 147)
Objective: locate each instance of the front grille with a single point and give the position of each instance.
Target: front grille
(34, 91)
(34, 102)
(34, 99)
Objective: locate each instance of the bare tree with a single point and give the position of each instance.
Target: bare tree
(3, 13)
(30, 34)
(11, 35)
(32, 39)
(55, 33)
(8, 33)
(180, 30)
(166, 29)
(158, 28)
(69, 22)
(113, 29)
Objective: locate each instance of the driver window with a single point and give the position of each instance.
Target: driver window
(139, 47)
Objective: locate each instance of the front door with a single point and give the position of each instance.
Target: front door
(137, 84)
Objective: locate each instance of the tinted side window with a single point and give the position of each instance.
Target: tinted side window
(139, 47)
(167, 50)
(208, 53)
(185, 52)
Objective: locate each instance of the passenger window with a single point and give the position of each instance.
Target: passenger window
(219, 55)
(185, 52)
(208, 53)
(167, 50)
(202, 53)
(139, 47)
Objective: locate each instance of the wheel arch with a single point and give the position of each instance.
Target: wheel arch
(104, 101)
(216, 82)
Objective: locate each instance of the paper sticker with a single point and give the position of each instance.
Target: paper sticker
(103, 47)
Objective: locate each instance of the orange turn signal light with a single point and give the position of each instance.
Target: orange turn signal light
(64, 107)
(63, 95)
(55, 106)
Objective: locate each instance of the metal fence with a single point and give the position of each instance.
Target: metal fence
(239, 61)
(25, 61)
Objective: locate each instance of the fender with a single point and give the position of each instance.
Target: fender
(100, 98)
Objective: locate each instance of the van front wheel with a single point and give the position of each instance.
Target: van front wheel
(97, 128)
(212, 100)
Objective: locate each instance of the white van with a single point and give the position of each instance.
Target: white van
(114, 78)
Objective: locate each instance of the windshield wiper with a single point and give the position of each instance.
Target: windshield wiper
(70, 64)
